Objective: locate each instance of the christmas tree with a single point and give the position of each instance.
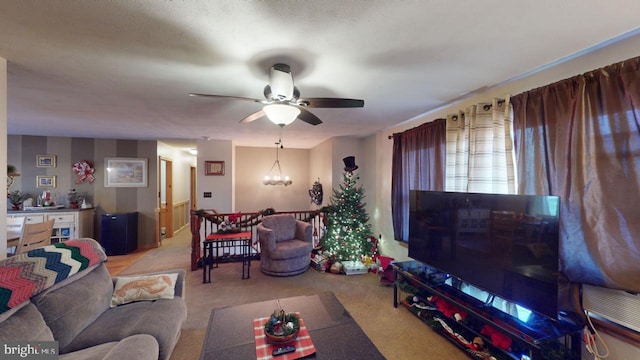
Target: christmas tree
(348, 232)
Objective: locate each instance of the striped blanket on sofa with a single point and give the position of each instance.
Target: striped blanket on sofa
(25, 275)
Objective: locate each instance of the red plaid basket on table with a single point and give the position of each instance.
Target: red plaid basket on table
(304, 345)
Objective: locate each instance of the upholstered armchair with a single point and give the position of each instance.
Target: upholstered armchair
(285, 245)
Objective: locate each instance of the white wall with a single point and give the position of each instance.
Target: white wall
(3, 157)
(253, 163)
(370, 177)
(321, 170)
(221, 187)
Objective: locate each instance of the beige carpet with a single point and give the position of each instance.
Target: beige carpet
(395, 332)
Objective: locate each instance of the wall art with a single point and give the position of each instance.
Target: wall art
(46, 161)
(214, 167)
(125, 172)
(47, 181)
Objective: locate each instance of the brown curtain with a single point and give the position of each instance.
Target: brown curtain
(418, 163)
(580, 139)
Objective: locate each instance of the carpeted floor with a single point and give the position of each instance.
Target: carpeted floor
(395, 332)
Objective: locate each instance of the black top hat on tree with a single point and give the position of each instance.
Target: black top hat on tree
(350, 163)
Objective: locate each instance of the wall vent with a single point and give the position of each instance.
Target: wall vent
(614, 305)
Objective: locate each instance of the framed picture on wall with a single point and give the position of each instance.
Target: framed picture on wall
(214, 167)
(125, 172)
(46, 161)
(46, 181)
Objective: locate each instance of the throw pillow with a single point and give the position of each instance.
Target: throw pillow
(148, 287)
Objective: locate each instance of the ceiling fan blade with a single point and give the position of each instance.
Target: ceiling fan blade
(255, 116)
(282, 92)
(229, 97)
(308, 117)
(330, 102)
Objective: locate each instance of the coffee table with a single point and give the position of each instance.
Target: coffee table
(335, 334)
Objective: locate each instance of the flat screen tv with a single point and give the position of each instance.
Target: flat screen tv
(506, 245)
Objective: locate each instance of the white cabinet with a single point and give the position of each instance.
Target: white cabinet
(33, 219)
(68, 224)
(64, 226)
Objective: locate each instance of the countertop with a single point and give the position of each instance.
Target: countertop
(45, 209)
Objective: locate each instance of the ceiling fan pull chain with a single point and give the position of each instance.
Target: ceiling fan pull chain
(280, 137)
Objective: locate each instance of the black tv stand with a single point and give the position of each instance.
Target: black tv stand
(415, 284)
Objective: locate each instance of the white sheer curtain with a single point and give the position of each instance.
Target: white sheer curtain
(480, 155)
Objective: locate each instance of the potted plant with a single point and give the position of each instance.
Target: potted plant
(11, 173)
(16, 198)
(74, 199)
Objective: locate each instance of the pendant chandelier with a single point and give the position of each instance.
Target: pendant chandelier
(277, 179)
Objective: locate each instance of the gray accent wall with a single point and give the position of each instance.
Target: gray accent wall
(22, 151)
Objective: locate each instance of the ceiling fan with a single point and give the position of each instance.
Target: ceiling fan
(282, 101)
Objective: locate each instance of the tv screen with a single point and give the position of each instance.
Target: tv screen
(506, 245)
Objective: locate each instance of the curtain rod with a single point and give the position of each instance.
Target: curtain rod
(429, 122)
(486, 107)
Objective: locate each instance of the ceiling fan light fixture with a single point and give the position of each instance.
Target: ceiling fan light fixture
(281, 114)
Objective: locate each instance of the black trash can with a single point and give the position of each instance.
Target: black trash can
(119, 233)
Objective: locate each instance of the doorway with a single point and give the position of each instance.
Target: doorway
(193, 188)
(166, 198)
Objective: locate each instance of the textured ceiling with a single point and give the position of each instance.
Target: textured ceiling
(123, 69)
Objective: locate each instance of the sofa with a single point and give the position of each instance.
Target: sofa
(64, 293)
(285, 245)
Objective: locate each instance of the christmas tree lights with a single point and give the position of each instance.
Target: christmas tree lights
(348, 233)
